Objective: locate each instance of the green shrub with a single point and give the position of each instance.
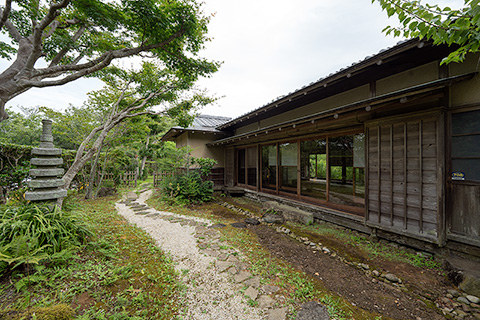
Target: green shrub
(30, 234)
(191, 185)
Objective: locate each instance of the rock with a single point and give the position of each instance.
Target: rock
(242, 276)
(473, 299)
(252, 293)
(463, 300)
(143, 190)
(461, 313)
(253, 282)
(276, 218)
(464, 273)
(364, 266)
(218, 225)
(313, 311)
(454, 293)
(132, 196)
(252, 221)
(106, 192)
(222, 265)
(277, 314)
(392, 278)
(239, 225)
(268, 289)
(477, 316)
(266, 302)
(326, 250)
(376, 273)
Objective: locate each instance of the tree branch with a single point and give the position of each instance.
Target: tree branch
(38, 32)
(114, 54)
(64, 51)
(12, 30)
(6, 13)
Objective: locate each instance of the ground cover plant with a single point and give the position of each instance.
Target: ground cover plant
(119, 273)
(296, 286)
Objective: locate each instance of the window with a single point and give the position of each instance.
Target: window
(466, 146)
(346, 180)
(288, 167)
(252, 166)
(269, 167)
(313, 157)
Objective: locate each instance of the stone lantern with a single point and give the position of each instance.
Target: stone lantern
(46, 184)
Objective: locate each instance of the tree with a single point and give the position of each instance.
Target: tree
(460, 27)
(130, 94)
(78, 38)
(23, 128)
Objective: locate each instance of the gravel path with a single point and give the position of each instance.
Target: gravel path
(211, 271)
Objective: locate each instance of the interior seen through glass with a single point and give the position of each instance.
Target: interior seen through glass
(331, 170)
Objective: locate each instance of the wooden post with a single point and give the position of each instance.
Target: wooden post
(391, 175)
(379, 180)
(420, 158)
(405, 168)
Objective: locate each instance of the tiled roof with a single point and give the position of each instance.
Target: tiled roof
(207, 122)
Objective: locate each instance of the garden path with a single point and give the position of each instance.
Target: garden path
(217, 283)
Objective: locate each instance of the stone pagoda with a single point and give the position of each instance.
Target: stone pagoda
(46, 184)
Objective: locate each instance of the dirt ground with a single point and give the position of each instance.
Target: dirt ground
(346, 280)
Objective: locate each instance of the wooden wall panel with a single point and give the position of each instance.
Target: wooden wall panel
(405, 172)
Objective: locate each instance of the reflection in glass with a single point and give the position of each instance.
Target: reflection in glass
(313, 168)
(269, 167)
(252, 166)
(288, 167)
(346, 182)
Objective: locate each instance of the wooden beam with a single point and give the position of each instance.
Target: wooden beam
(379, 175)
(391, 174)
(405, 168)
(420, 156)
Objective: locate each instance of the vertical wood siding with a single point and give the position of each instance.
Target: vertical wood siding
(402, 175)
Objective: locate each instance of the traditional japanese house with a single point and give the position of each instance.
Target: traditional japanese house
(389, 145)
(201, 132)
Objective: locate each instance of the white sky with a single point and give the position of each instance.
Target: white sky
(269, 48)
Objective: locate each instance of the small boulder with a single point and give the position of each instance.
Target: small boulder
(313, 311)
(106, 192)
(392, 278)
(273, 217)
(252, 221)
(239, 225)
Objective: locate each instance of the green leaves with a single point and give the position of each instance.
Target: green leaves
(442, 25)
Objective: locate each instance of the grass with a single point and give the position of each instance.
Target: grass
(373, 249)
(118, 274)
(296, 286)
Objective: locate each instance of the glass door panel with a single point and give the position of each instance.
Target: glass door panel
(269, 167)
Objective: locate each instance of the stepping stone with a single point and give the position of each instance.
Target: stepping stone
(232, 270)
(222, 256)
(313, 311)
(252, 293)
(232, 258)
(142, 213)
(266, 302)
(268, 289)
(143, 190)
(239, 225)
(242, 276)
(140, 209)
(253, 282)
(132, 196)
(131, 204)
(252, 221)
(211, 253)
(277, 314)
(222, 266)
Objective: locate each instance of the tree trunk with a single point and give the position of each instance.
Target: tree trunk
(103, 171)
(93, 171)
(144, 157)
